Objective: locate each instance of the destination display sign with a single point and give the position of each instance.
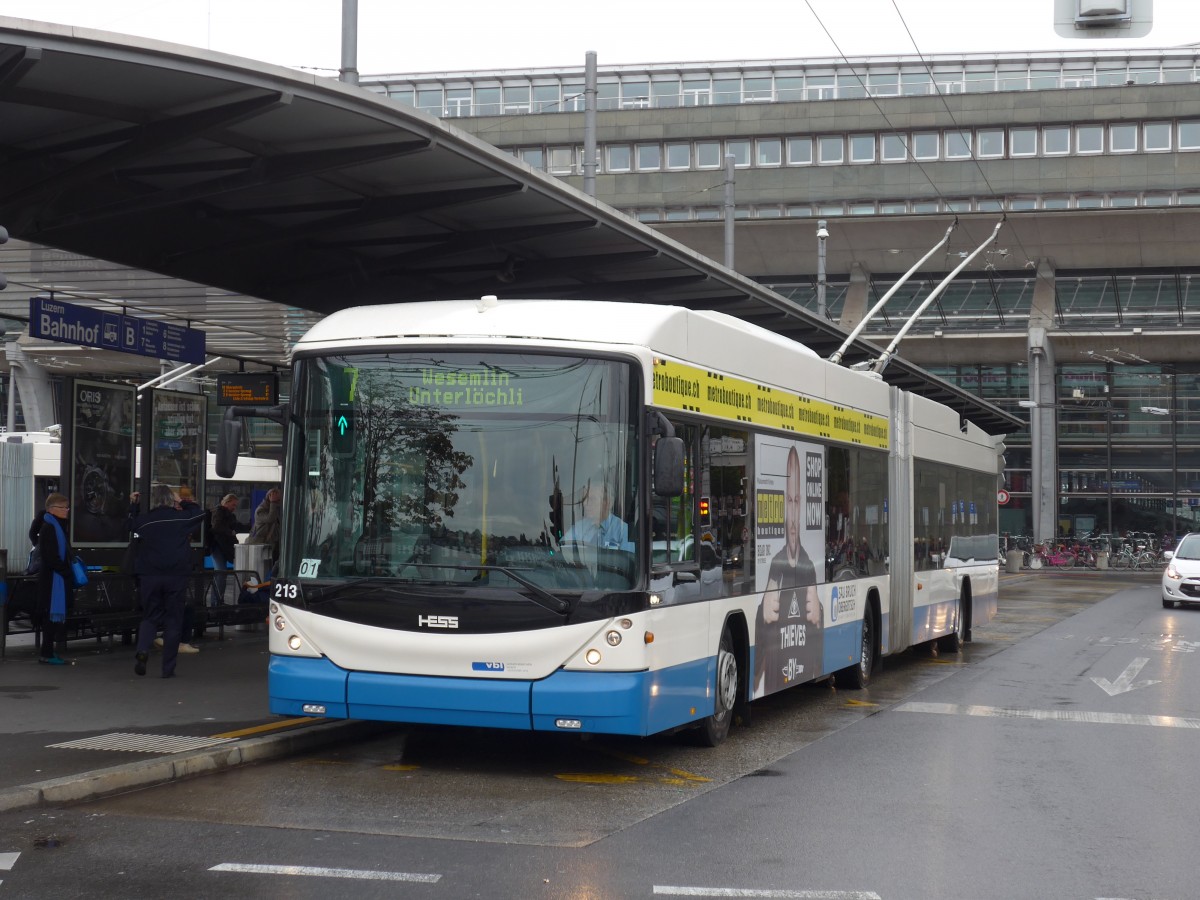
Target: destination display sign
(242, 389)
(69, 323)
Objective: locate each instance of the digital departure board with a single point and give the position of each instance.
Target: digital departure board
(242, 389)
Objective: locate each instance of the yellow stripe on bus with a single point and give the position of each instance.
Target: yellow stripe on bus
(690, 389)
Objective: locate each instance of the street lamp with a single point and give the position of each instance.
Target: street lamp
(822, 236)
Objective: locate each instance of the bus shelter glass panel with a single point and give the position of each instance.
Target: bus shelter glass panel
(471, 469)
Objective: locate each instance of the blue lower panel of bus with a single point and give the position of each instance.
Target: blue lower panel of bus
(843, 643)
(639, 703)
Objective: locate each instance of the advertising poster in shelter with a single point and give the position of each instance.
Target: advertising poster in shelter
(101, 461)
(790, 545)
(178, 442)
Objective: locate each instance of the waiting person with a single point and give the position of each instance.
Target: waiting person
(163, 565)
(56, 582)
(599, 527)
(266, 524)
(222, 540)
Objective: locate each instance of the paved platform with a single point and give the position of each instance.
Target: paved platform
(70, 733)
(94, 727)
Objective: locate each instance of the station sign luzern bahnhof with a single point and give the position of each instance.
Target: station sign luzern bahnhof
(68, 323)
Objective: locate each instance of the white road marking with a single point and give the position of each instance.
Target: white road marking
(8, 860)
(1049, 715)
(322, 872)
(668, 890)
(1124, 682)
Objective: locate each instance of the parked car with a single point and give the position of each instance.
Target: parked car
(1181, 578)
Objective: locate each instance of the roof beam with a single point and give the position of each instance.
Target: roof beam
(15, 63)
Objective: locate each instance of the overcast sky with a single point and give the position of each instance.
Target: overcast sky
(405, 36)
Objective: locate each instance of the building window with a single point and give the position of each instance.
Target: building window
(608, 95)
(707, 213)
(649, 157)
(831, 209)
(769, 152)
(1022, 141)
(726, 91)
(679, 156)
(1189, 135)
(740, 151)
(697, 92)
(618, 158)
(430, 101)
(1018, 204)
(926, 206)
(897, 208)
(1056, 140)
(925, 145)
(635, 95)
(915, 84)
(1156, 200)
(767, 212)
(799, 151)
(533, 156)
(678, 215)
(458, 102)
(757, 90)
(958, 145)
(1156, 137)
(1089, 139)
(487, 101)
(1089, 202)
(991, 205)
(799, 212)
(547, 98)
(665, 94)
(1056, 203)
(789, 88)
(895, 147)
(832, 150)
(862, 148)
(862, 209)
(1123, 138)
(649, 215)
(990, 142)
(561, 161)
(883, 84)
(517, 100)
(708, 155)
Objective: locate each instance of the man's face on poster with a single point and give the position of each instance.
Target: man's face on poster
(793, 498)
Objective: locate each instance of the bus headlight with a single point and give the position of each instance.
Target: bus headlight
(294, 642)
(280, 624)
(613, 638)
(593, 657)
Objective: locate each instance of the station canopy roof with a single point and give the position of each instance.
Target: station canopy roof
(248, 200)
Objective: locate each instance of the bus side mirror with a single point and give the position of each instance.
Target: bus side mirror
(668, 467)
(229, 441)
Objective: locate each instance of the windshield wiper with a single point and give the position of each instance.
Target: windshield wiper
(540, 595)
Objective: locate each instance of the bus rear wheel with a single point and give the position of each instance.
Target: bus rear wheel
(954, 641)
(715, 728)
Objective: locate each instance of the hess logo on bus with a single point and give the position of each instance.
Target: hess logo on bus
(437, 621)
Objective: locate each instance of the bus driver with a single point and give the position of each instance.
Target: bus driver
(599, 527)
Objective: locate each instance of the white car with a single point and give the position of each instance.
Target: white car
(1181, 579)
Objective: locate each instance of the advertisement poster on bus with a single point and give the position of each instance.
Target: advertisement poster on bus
(101, 462)
(790, 546)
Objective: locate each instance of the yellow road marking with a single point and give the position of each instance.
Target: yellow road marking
(260, 729)
(860, 703)
(400, 767)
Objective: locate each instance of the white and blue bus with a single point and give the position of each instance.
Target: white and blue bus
(607, 517)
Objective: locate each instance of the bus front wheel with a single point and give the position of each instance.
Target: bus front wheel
(859, 676)
(715, 728)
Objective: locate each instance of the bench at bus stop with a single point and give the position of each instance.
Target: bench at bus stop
(108, 606)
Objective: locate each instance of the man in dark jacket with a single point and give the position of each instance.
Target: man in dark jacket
(162, 564)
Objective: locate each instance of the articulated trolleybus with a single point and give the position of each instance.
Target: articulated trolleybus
(606, 517)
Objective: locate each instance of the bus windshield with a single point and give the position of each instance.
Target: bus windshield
(469, 468)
